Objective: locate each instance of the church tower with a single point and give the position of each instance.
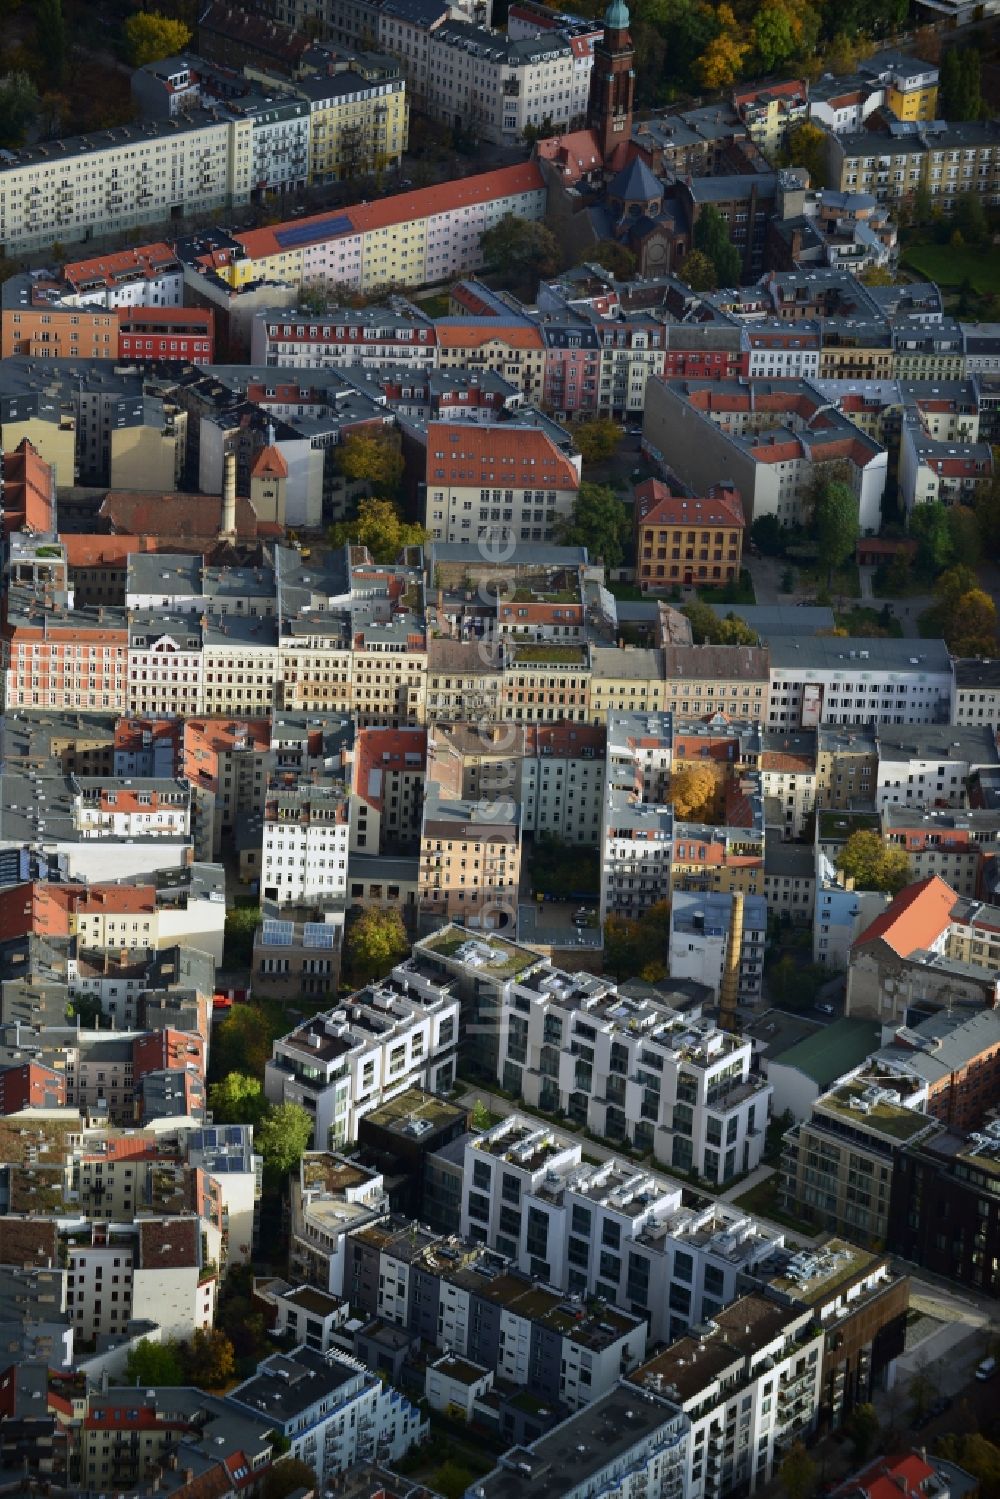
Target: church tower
(612, 82)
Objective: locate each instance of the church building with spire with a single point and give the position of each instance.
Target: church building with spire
(612, 86)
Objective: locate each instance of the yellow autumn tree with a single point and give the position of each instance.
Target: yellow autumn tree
(719, 65)
(696, 791)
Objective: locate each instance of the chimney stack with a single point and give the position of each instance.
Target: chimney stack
(729, 988)
(229, 496)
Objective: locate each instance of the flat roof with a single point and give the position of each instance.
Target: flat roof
(859, 653)
(834, 1051)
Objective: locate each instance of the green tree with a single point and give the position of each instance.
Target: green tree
(978, 1456)
(480, 1119)
(928, 525)
(708, 628)
(711, 236)
(872, 865)
(209, 1360)
(286, 1476)
(698, 272)
(50, 39)
(953, 585)
(237, 1099)
(638, 948)
(863, 1430)
(18, 107)
(987, 508)
(452, 1480)
(375, 941)
(806, 147)
(599, 522)
(966, 540)
(970, 218)
(960, 84)
(598, 439)
(768, 536)
(524, 247)
(799, 1475)
(378, 526)
(152, 36)
(835, 524)
(774, 37)
(372, 456)
(151, 1364)
(616, 258)
(241, 923)
(282, 1137)
(243, 1042)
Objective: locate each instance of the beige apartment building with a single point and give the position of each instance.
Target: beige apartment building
(545, 683)
(463, 682)
(625, 681)
(846, 766)
(470, 861)
(947, 159)
(836, 1166)
(239, 665)
(704, 679)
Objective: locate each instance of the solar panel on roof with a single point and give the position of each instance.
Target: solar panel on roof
(303, 234)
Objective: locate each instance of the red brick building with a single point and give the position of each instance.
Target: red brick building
(154, 333)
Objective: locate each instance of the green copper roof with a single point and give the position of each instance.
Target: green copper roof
(616, 16)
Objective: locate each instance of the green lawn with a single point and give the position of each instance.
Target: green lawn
(763, 1200)
(846, 582)
(951, 267)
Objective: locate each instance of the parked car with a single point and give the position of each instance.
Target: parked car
(987, 1369)
(825, 1009)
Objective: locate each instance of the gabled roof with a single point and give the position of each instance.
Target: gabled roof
(915, 919)
(269, 464)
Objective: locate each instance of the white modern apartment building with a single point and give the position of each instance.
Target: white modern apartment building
(633, 1070)
(397, 1034)
(332, 1411)
(619, 1445)
(613, 1230)
(750, 1384)
(858, 680)
(305, 843)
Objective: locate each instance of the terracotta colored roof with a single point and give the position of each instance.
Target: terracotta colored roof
(143, 513)
(402, 208)
(658, 507)
(115, 900)
(465, 336)
(100, 551)
(171, 1244)
(783, 760)
(386, 749)
(501, 454)
(147, 259)
(915, 919)
(574, 154)
(27, 487)
(269, 461)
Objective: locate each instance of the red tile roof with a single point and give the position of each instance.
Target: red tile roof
(464, 336)
(889, 1477)
(269, 463)
(512, 455)
(658, 507)
(403, 208)
(915, 919)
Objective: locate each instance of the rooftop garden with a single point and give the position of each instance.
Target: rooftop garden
(556, 655)
(448, 943)
(884, 1117)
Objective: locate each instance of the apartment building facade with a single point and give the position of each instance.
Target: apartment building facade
(343, 1063)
